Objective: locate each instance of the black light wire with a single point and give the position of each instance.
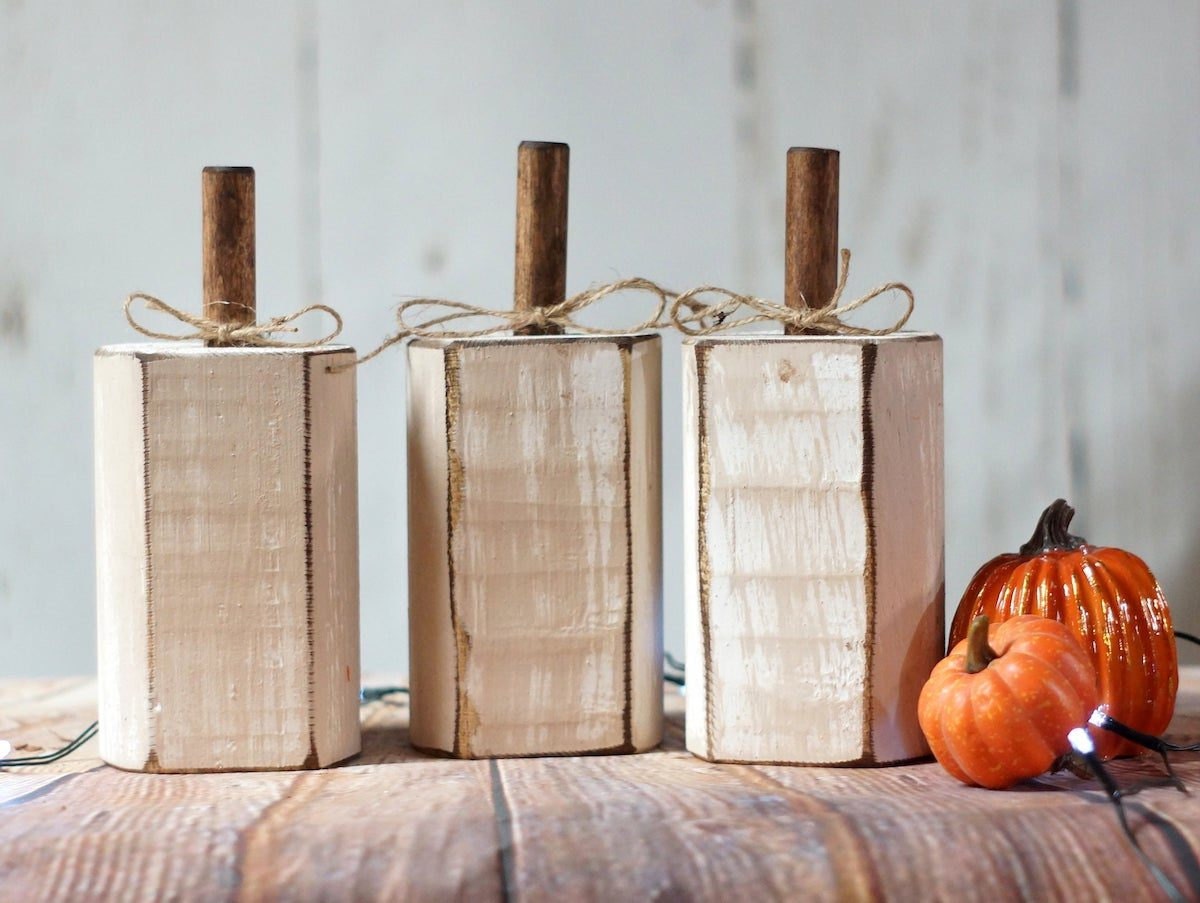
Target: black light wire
(1190, 637)
(1086, 749)
(670, 661)
(378, 694)
(1113, 790)
(47, 758)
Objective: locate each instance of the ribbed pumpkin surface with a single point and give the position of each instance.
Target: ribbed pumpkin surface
(1008, 720)
(1112, 602)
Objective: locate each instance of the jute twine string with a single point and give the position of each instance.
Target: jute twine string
(257, 335)
(688, 313)
(560, 314)
(695, 318)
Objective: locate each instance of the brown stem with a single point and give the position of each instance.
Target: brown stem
(1051, 533)
(541, 263)
(979, 653)
(811, 262)
(228, 211)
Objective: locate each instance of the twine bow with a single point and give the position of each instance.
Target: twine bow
(560, 314)
(256, 335)
(702, 319)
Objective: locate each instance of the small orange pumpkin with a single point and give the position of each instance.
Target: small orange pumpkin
(1109, 600)
(998, 708)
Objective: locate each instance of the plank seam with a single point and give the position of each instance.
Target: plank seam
(504, 834)
(43, 790)
(619, 749)
(860, 873)
(243, 844)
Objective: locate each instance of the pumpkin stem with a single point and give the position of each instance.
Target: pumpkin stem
(979, 653)
(1051, 533)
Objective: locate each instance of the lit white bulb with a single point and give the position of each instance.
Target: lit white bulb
(1081, 742)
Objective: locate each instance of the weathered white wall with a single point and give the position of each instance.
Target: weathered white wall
(1033, 171)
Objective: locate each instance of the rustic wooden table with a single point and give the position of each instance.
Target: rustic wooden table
(396, 824)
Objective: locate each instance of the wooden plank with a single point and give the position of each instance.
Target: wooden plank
(432, 653)
(1129, 204)
(663, 826)
(782, 553)
(366, 831)
(419, 831)
(909, 533)
(814, 471)
(109, 834)
(644, 426)
(536, 561)
(120, 468)
(212, 567)
(396, 823)
(925, 836)
(333, 502)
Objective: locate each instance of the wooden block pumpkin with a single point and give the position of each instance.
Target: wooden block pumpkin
(814, 563)
(534, 523)
(227, 548)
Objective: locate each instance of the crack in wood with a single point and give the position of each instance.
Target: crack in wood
(504, 835)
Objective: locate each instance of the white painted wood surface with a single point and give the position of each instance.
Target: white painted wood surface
(227, 568)
(814, 552)
(535, 561)
(1032, 169)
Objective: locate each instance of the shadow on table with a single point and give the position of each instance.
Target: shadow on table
(386, 740)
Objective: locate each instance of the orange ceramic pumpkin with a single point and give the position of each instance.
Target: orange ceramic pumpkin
(998, 708)
(1109, 600)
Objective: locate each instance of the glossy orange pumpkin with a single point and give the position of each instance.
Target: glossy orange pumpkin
(998, 708)
(1108, 598)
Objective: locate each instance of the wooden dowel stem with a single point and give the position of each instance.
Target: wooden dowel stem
(228, 244)
(811, 263)
(541, 267)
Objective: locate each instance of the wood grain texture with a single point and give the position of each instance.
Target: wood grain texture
(811, 227)
(814, 546)
(228, 244)
(543, 173)
(397, 824)
(535, 550)
(227, 577)
(418, 833)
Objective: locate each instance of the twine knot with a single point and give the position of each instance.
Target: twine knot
(258, 335)
(696, 318)
(562, 314)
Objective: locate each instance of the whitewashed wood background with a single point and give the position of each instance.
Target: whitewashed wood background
(1032, 169)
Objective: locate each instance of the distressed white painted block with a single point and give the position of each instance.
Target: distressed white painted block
(535, 572)
(814, 541)
(227, 557)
